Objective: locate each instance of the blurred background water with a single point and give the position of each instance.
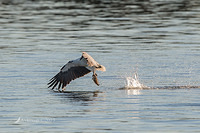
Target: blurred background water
(159, 39)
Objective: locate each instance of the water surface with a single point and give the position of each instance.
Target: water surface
(158, 39)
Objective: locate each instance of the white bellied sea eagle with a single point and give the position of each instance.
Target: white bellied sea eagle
(75, 69)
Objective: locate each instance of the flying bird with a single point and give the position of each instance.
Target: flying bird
(75, 69)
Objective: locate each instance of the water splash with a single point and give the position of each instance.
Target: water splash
(134, 83)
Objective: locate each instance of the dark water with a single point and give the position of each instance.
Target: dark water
(158, 39)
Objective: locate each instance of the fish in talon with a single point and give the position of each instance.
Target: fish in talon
(94, 78)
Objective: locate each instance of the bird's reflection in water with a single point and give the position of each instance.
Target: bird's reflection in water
(76, 96)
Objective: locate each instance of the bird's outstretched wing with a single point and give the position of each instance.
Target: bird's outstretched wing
(65, 77)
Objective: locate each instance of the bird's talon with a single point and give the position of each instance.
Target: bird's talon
(59, 90)
(94, 75)
(63, 89)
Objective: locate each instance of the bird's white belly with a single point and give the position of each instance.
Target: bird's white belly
(90, 68)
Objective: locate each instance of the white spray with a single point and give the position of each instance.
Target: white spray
(133, 82)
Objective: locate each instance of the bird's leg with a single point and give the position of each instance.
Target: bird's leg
(94, 72)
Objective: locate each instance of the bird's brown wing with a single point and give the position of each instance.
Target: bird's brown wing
(63, 78)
